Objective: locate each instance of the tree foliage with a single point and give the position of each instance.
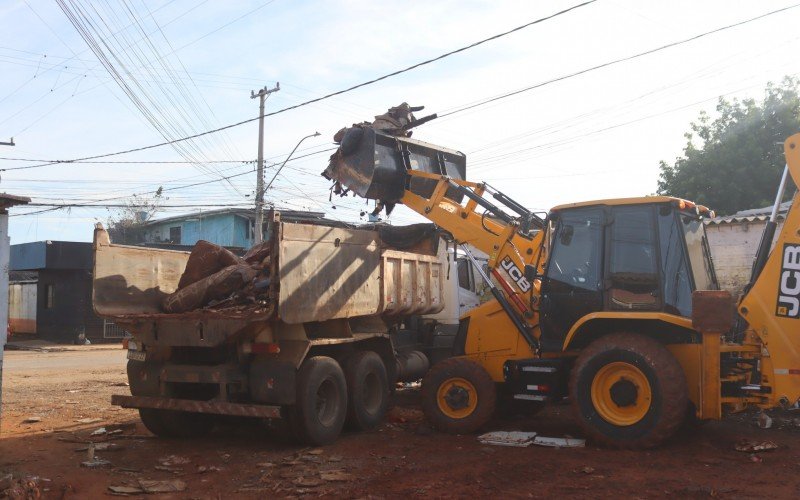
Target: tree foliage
(738, 159)
(125, 225)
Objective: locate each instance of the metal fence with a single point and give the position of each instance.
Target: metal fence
(112, 331)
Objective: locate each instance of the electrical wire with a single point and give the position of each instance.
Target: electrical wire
(324, 97)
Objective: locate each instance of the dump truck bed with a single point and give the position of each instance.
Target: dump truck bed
(323, 273)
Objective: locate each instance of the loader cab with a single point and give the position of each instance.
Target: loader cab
(638, 255)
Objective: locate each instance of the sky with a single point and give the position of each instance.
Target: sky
(175, 68)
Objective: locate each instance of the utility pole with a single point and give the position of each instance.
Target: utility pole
(262, 95)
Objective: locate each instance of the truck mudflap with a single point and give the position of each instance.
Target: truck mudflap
(192, 406)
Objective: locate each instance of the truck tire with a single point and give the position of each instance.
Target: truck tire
(367, 390)
(458, 396)
(628, 391)
(177, 424)
(320, 408)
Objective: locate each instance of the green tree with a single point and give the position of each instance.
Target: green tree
(735, 161)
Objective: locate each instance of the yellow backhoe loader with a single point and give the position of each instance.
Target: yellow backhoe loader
(613, 304)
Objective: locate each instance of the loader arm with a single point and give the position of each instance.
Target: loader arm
(772, 305)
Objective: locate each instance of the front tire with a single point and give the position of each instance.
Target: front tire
(628, 391)
(458, 396)
(320, 408)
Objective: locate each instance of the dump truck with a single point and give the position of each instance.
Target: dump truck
(610, 304)
(343, 317)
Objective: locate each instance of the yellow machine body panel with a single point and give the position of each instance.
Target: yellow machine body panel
(492, 339)
(772, 306)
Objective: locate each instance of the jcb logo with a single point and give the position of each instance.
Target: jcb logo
(789, 291)
(515, 274)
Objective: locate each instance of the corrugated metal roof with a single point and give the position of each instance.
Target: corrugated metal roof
(752, 215)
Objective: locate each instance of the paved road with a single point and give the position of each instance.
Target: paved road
(17, 362)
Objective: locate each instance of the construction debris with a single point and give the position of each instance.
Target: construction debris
(172, 460)
(32, 420)
(764, 420)
(215, 278)
(748, 446)
(503, 438)
(150, 486)
(555, 442)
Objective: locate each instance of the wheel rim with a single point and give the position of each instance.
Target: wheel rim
(457, 398)
(372, 395)
(621, 393)
(327, 402)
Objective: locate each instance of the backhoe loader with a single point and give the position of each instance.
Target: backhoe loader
(612, 304)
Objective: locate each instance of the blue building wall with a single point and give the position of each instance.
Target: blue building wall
(223, 229)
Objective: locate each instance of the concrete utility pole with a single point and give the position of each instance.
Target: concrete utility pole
(262, 95)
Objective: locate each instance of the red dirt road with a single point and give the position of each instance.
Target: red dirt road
(401, 459)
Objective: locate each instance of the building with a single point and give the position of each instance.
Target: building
(51, 291)
(231, 227)
(734, 241)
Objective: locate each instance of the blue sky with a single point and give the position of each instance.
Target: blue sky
(598, 135)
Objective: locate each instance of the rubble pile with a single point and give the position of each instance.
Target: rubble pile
(215, 278)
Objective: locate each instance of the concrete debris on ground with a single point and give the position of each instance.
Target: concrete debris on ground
(764, 420)
(555, 442)
(173, 460)
(504, 438)
(215, 278)
(750, 446)
(88, 420)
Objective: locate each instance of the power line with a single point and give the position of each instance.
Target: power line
(327, 96)
(617, 61)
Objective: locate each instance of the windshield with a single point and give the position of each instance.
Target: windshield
(699, 255)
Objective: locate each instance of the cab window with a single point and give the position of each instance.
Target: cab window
(575, 257)
(633, 265)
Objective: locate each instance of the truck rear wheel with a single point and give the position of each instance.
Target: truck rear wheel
(458, 396)
(367, 390)
(628, 391)
(320, 408)
(179, 424)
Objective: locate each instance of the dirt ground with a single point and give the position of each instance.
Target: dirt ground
(403, 458)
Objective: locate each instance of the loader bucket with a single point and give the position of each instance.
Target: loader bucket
(373, 165)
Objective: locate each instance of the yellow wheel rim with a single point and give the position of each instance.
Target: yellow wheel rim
(621, 394)
(457, 397)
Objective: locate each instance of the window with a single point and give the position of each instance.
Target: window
(674, 272)
(633, 271)
(463, 274)
(175, 235)
(49, 296)
(696, 244)
(575, 259)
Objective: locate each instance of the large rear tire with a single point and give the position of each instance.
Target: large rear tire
(367, 390)
(458, 396)
(628, 391)
(320, 408)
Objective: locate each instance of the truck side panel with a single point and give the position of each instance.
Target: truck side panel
(133, 280)
(327, 273)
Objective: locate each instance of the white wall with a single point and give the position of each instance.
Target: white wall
(733, 247)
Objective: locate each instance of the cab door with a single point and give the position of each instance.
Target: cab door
(572, 286)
